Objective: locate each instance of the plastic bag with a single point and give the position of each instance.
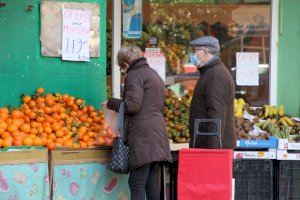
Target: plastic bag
(109, 131)
(110, 118)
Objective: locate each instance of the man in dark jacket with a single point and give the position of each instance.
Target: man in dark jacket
(213, 95)
(146, 133)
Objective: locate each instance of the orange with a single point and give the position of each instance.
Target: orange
(73, 113)
(91, 142)
(32, 115)
(83, 144)
(17, 142)
(40, 90)
(40, 119)
(56, 126)
(68, 144)
(91, 134)
(7, 142)
(5, 135)
(51, 136)
(100, 141)
(1, 142)
(85, 138)
(32, 104)
(3, 125)
(48, 110)
(50, 145)
(59, 133)
(16, 114)
(63, 115)
(45, 141)
(37, 141)
(11, 128)
(26, 99)
(40, 129)
(47, 130)
(33, 131)
(25, 128)
(27, 141)
(91, 109)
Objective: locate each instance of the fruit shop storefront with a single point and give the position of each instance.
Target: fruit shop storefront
(267, 106)
(52, 98)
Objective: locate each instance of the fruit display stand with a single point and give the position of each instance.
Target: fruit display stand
(24, 173)
(82, 174)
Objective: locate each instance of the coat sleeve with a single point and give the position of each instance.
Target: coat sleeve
(216, 91)
(134, 93)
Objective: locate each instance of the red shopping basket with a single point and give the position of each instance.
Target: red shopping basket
(205, 174)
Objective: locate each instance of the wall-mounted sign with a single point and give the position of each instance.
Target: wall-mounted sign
(132, 18)
(76, 35)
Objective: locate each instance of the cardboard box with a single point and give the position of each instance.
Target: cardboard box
(23, 155)
(268, 154)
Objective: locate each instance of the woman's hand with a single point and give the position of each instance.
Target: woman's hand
(113, 104)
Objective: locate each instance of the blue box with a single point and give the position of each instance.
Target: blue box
(257, 144)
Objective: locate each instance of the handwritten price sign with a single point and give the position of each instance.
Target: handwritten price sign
(76, 35)
(156, 61)
(247, 73)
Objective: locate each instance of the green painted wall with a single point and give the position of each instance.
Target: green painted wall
(289, 57)
(23, 69)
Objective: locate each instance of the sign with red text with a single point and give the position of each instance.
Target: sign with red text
(157, 61)
(76, 35)
(247, 73)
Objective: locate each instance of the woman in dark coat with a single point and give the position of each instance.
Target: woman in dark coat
(146, 130)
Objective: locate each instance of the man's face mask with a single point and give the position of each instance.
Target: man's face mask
(194, 59)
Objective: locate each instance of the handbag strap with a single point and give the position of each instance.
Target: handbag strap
(120, 124)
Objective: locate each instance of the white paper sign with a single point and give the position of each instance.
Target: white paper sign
(247, 73)
(76, 35)
(156, 61)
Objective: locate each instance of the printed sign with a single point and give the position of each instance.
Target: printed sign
(156, 61)
(76, 35)
(247, 73)
(132, 18)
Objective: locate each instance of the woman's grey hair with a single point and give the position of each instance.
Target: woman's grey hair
(128, 54)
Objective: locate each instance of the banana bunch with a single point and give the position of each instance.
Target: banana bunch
(273, 111)
(285, 121)
(239, 105)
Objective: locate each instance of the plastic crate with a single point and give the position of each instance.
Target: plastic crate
(253, 179)
(289, 180)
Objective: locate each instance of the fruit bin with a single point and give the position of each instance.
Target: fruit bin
(253, 179)
(82, 174)
(288, 180)
(24, 173)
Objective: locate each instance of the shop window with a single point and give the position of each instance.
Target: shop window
(240, 26)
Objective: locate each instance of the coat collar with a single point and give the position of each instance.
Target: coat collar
(214, 61)
(137, 63)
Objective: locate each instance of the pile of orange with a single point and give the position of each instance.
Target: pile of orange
(53, 120)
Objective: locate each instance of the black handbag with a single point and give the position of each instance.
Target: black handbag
(120, 151)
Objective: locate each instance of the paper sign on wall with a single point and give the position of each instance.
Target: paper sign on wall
(76, 35)
(247, 73)
(156, 61)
